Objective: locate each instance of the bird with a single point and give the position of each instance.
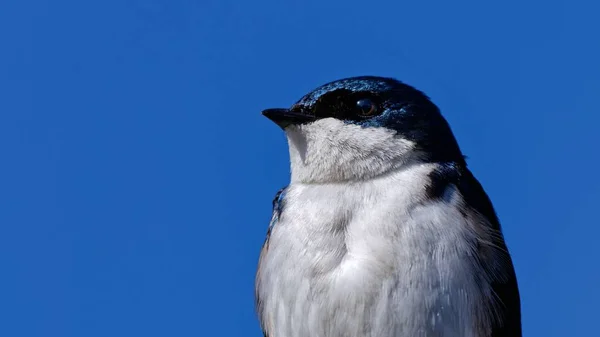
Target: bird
(382, 231)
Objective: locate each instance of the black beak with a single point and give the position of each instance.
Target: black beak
(286, 117)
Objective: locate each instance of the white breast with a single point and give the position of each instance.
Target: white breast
(371, 259)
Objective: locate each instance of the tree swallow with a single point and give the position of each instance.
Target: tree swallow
(382, 231)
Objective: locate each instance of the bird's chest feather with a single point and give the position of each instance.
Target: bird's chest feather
(369, 259)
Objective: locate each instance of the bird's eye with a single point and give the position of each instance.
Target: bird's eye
(366, 107)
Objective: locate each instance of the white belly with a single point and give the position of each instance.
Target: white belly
(370, 259)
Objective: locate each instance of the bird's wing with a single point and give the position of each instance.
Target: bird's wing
(479, 211)
(277, 207)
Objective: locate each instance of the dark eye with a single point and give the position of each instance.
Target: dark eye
(366, 107)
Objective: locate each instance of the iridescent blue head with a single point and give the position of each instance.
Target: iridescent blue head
(378, 102)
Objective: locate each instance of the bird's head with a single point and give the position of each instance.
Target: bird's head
(362, 127)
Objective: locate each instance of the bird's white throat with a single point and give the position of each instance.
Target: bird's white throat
(330, 151)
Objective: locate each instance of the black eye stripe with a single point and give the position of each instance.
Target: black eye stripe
(344, 104)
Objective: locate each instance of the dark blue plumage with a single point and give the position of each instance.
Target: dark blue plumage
(278, 203)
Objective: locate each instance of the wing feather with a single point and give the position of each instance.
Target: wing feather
(491, 249)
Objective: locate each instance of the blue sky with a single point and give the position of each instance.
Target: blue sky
(137, 172)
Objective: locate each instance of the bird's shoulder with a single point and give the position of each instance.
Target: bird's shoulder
(278, 203)
(477, 209)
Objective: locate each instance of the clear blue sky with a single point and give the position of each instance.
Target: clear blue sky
(137, 174)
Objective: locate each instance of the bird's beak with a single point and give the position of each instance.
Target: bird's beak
(286, 117)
